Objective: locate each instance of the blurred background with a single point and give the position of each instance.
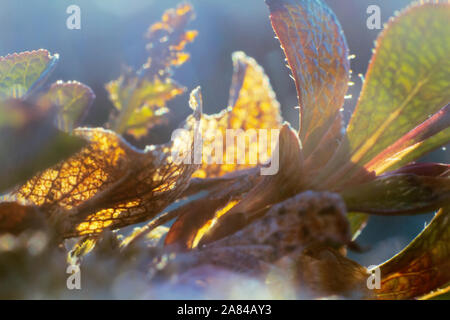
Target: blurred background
(111, 35)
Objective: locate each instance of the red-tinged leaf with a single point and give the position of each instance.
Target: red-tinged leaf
(399, 194)
(317, 53)
(407, 81)
(423, 266)
(72, 100)
(21, 73)
(428, 169)
(431, 134)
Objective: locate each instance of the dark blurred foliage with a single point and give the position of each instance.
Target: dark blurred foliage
(112, 35)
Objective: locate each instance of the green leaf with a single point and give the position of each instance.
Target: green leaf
(398, 194)
(73, 100)
(21, 73)
(141, 103)
(407, 81)
(423, 266)
(141, 97)
(357, 222)
(317, 54)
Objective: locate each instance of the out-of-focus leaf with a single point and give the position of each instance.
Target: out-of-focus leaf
(429, 169)
(431, 134)
(16, 217)
(80, 249)
(423, 266)
(29, 142)
(141, 97)
(141, 103)
(252, 106)
(168, 38)
(110, 184)
(324, 271)
(21, 73)
(317, 54)
(357, 221)
(72, 100)
(407, 81)
(399, 194)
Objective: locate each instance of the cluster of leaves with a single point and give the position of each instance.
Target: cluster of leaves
(292, 227)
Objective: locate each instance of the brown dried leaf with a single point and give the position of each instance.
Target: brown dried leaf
(296, 236)
(252, 105)
(110, 184)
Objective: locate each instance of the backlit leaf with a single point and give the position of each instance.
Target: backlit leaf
(423, 266)
(141, 103)
(22, 72)
(110, 184)
(317, 54)
(141, 97)
(407, 81)
(252, 106)
(72, 100)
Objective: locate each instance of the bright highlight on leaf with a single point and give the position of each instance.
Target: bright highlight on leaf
(109, 183)
(20, 73)
(252, 106)
(141, 97)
